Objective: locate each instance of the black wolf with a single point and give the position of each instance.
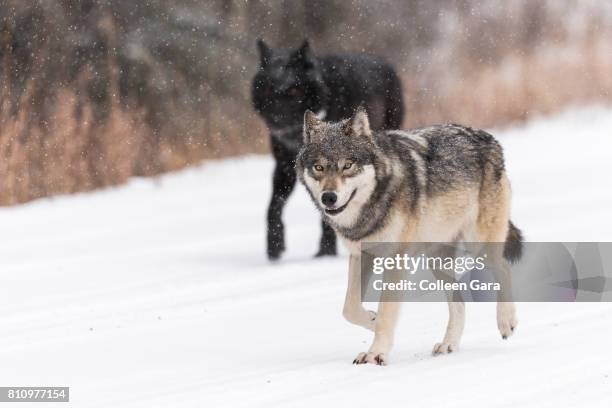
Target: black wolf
(288, 83)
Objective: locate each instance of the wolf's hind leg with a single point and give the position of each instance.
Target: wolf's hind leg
(328, 240)
(506, 311)
(353, 310)
(492, 226)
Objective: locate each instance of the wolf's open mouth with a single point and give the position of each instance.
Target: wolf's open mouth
(336, 211)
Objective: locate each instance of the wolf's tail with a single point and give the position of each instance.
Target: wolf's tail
(394, 102)
(513, 248)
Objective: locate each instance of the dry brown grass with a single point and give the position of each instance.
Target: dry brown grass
(64, 155)
(67, 155)
(54, 139)
(515, 89)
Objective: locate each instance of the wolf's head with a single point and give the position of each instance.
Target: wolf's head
(337, 164)
(288, 82)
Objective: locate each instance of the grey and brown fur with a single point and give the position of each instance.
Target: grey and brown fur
(437, 184)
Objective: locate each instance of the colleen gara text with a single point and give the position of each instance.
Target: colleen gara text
(436, 285)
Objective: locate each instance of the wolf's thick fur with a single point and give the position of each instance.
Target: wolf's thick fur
(289, 82)
(436, 184)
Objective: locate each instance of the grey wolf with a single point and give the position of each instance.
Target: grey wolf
(436, 184)
(288, 83)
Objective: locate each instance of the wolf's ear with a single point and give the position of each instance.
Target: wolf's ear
(312, 126)
(359, 123)
(264, 52)
(303, 55)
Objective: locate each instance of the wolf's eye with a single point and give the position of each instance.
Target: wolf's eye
(267, 90)
(318, 167)
(295, 92)
(348, 165)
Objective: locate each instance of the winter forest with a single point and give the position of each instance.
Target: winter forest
(95, 91)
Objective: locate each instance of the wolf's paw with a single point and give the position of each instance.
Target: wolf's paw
(444, 348)
(371, 358)
(275, 251)
(325, 252)
(506, 320)
(274, 255)
(506, 328)
(276, 241)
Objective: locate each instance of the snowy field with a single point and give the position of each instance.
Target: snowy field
(158, 293)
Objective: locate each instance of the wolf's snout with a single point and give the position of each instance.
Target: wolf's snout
(329, 198)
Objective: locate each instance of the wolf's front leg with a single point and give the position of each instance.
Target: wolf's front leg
(353, 310)
(283, 182)
(386, 320)
(328, 240)
(454, 329)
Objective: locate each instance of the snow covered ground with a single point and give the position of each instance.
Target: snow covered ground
(158, 293)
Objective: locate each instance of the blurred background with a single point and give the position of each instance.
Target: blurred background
(93, 92)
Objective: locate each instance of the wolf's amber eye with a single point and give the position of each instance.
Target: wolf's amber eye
(318, 167)
(348, 165)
